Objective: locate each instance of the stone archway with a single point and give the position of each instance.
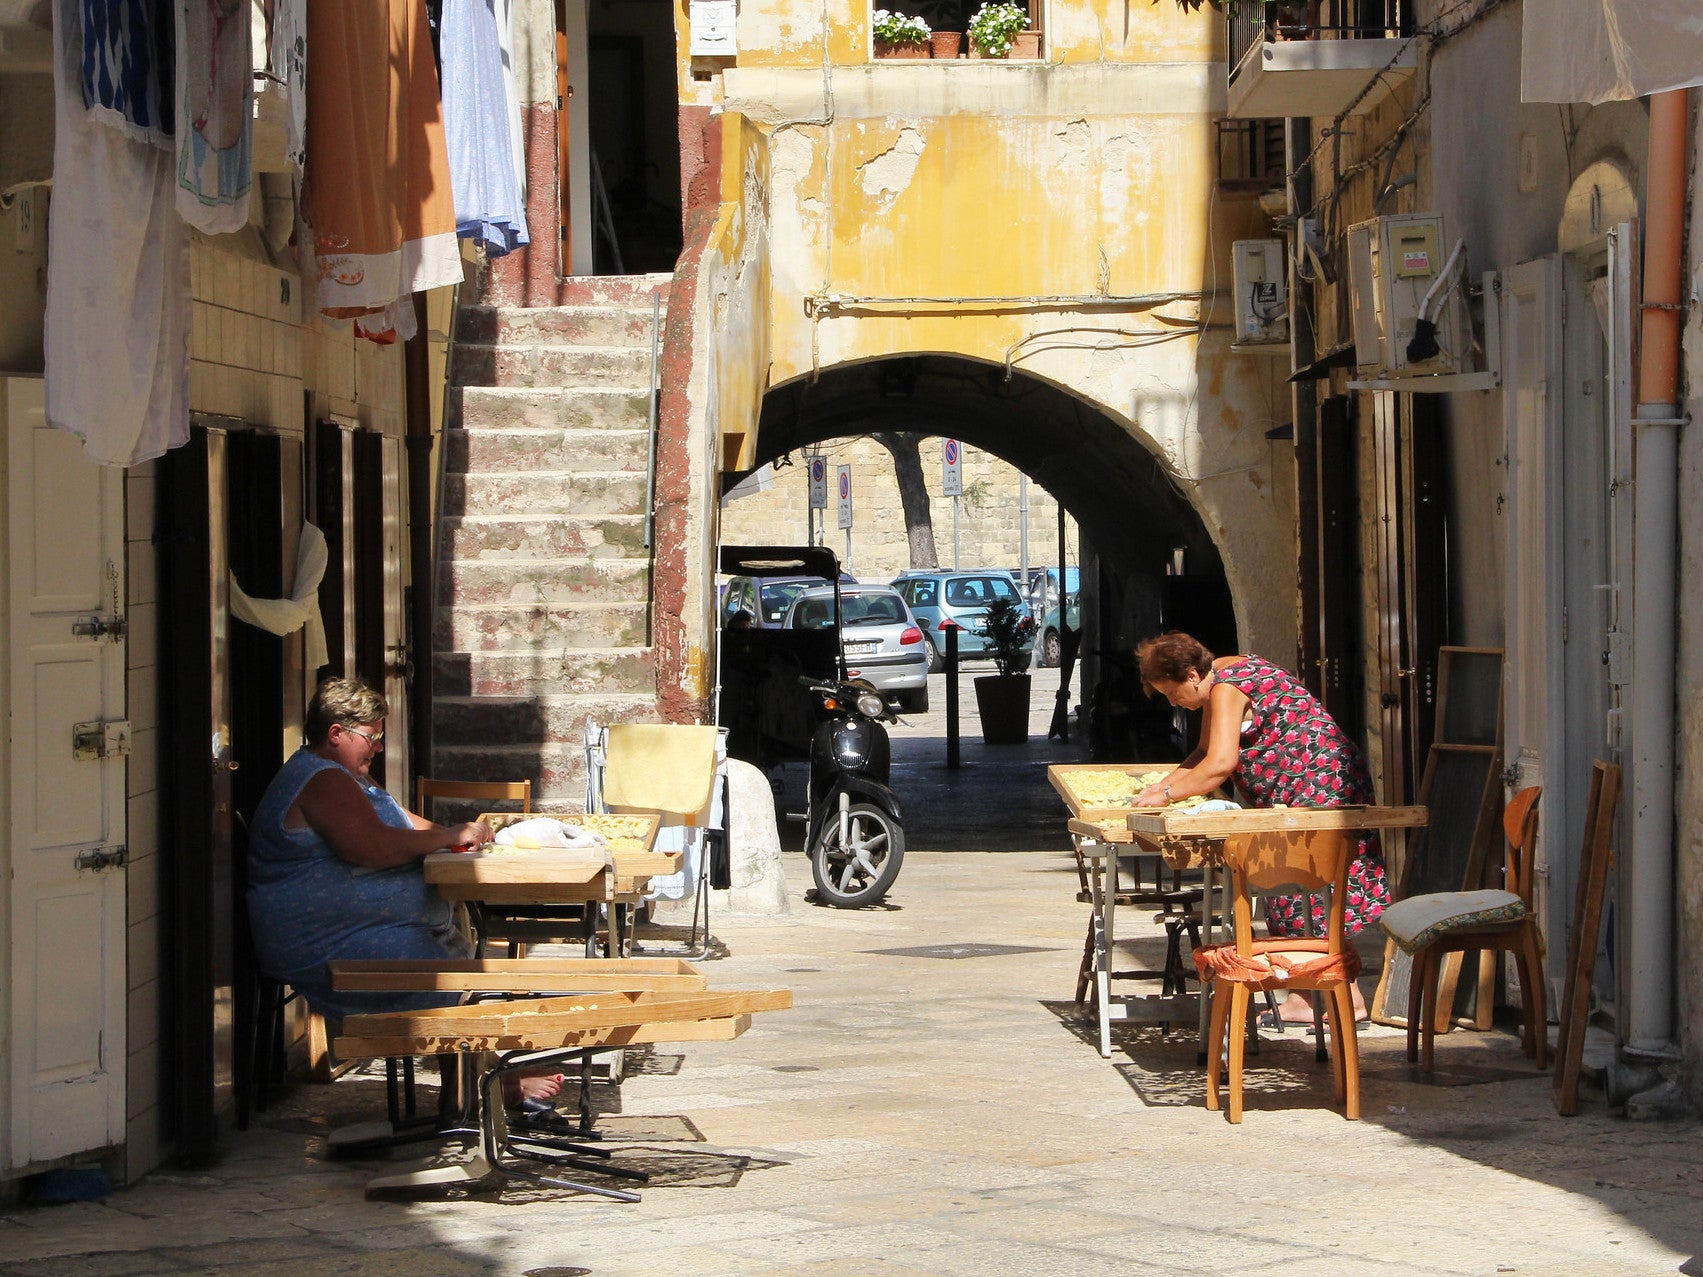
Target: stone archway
(1130, 511)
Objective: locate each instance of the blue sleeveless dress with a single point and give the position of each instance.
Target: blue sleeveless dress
(308, 907)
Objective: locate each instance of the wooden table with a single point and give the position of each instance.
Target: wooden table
(513, 883)
(1200, 840)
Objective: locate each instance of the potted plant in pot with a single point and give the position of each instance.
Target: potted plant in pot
(900, 35)
(995, 29)
(1002, 698)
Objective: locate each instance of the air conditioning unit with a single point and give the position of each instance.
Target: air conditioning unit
(1409, 300)
(1262, 298)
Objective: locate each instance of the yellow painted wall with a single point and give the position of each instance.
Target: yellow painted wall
(1062, 214)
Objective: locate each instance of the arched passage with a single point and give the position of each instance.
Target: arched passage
(1130, 514)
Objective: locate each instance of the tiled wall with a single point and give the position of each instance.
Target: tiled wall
(246, 341)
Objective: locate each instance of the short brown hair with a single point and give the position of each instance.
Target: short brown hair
(353, 702)
(1169, 658)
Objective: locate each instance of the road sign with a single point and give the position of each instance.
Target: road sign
(818, 484)
(952, 458)
(845, 496)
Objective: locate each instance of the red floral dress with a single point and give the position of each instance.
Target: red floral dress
(1293, 753)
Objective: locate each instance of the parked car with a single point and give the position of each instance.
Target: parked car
(940, 598)
(766, 599)
(1049, 642)
(881, 640)
(1043, 587)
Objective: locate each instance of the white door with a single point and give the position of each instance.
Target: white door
(65, 789)
(1534, 598)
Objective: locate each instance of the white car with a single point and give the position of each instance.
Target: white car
(881, 640)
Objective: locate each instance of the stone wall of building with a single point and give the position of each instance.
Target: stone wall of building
(990, 520)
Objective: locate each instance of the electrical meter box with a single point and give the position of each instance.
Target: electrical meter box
(1262, 297)
(1394, 264)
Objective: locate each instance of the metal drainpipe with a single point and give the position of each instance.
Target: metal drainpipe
(1648, 937)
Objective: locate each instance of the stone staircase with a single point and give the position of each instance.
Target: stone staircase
(543, 606)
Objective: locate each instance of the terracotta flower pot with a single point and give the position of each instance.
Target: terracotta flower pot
(1002, 701)
(1025, 44)
(946, 44)
(885, 50)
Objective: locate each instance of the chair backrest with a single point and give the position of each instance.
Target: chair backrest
(426, 788)
(1519, 823)
(1314, 861)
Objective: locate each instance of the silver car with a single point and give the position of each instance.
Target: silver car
(880, 638)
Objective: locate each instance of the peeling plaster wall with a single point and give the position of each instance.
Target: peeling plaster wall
(717, 345)
(1068, 183)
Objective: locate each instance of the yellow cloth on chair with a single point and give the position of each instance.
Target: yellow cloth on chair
(663, 767)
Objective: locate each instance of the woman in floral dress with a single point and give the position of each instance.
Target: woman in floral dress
(1270, 735)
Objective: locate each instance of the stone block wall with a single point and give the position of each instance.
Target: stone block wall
(990, 517)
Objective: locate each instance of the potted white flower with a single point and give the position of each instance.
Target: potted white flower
(995, 30)
(900, 35)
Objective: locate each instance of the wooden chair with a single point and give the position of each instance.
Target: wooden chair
(1429, 926)
(515, 791)
(1314, 861)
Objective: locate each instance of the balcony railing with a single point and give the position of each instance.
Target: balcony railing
(1316, 57)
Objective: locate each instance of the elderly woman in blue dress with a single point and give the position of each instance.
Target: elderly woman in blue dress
(334, 866)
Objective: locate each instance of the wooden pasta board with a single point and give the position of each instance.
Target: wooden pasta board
(1060, 776)
(597, 822)
(530, 975)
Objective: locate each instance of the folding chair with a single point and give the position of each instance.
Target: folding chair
(680, 771)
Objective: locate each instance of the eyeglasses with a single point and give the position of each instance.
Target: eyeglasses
(374, 741)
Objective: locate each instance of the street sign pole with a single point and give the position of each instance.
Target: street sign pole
(844, 487)
(952, 485)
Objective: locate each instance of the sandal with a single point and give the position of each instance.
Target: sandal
(539, 1118)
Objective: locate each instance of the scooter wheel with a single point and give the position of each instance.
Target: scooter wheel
(862, 871)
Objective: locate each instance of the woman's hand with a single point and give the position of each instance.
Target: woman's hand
(1155, 795)
(472, 835)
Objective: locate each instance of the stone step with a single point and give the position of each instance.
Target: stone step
(508, 721)
(613, 290)
(536, 451)
(485, 538)
(544, 492)
(550, 408)
(540, 672)
(615, 366)
(526, 583)
(605, 325)
(539, 628)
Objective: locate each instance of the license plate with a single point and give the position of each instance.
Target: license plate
(862, 649)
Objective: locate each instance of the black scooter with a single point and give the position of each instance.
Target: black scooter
(855, 833)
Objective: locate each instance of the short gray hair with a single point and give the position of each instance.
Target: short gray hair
(353, 702)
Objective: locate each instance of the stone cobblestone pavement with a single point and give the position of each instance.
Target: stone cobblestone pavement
(949, 1115)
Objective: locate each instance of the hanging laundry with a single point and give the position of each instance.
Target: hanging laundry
(480, 127)
(287, 61)
(511, 93)
(215, 109)
(127, 66)
(117, 325)
(378, 186)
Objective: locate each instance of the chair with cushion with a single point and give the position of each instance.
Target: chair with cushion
(1430, 926)
(1316, 862)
